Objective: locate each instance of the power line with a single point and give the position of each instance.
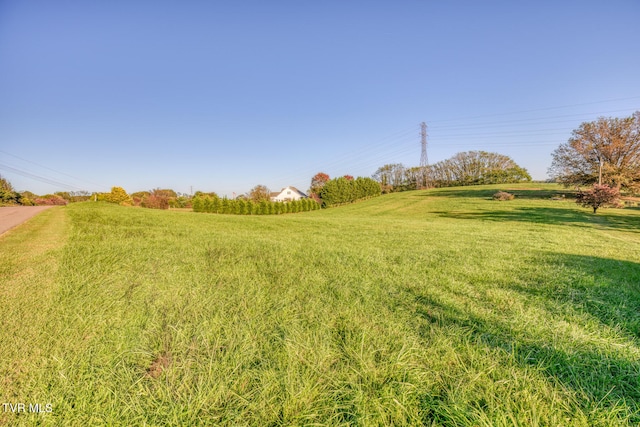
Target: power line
(53, 170)
(502, 134)
(39, 177)
(402, 143)
(389, 147)
(534, 121)
(538, 109)
(351, 157)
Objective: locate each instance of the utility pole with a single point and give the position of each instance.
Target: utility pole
(600, 173)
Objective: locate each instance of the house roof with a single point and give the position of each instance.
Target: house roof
(295, 189)
(276, 194)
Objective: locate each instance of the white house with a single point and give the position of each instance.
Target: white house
(287, 194)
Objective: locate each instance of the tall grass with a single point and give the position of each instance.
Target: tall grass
(439, 307)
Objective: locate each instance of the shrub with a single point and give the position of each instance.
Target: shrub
(224, 206)
(207, 204)
(342, 190)
(27, 198)
(213, 204)
(180, 202)
(138, 196)
(241, 207)
(27, 202)
(599, 196)
(50, 200)
(198, 204)
(117, 195)
(503, 195)
(155, 201)
(262, 210)
(315, 197)
(7, 195)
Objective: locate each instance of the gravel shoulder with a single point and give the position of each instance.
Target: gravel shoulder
(12, 216)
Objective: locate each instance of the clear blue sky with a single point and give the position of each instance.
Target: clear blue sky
(224, 95)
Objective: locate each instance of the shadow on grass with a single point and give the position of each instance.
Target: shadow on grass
(607, 290)
(520, 193)
(577, 216)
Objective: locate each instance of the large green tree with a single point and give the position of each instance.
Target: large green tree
(605, 151)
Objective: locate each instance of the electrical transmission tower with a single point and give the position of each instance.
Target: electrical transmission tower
(424, 160)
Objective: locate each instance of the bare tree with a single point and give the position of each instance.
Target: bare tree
(390, 175)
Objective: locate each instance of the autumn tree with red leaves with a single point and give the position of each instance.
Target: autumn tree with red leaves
(599, 195)
(317, 182)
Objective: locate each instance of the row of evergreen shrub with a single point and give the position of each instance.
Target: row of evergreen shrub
(343, 190)
(211, 204)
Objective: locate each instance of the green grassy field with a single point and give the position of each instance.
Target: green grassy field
(439, 307)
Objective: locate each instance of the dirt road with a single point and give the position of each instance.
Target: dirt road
(10, 216)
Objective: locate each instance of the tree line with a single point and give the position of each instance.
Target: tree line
(342, 190)
(476, 168)
(465, 168)
(240, 206)
(10, 197)
(605, 152)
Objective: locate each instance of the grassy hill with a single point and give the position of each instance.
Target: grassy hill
(439, 307)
